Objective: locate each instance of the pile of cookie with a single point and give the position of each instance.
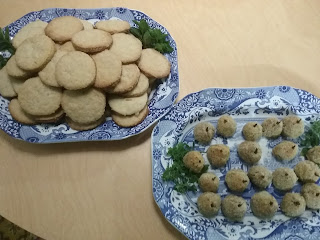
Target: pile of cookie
(68, 67)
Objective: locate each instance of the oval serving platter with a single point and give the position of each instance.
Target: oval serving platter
(160, 101)
(243, 104)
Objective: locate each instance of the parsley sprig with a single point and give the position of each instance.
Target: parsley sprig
(183, 178)
(151, 38)
(311, 138)
(5, 45)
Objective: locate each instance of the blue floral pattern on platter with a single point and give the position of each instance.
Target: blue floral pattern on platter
(160, 101)
(243, 104)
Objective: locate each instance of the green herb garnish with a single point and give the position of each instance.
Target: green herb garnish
(182, 177)
(5, 45)
(151, 38)
(311, 138)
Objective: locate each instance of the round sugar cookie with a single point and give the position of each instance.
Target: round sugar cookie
(84, 106)
(34, 53)
(91, 41)
(14, 71)
(29, 30)
(140, 88)
(126, 46)
(127, 106)
(154, 64)
(6, 88)
(62, 29)
(38, 99)
(18, 114)
(108, 69)
(47, 75)
(128, 80)
(113, 26)
(132, 120)
(75, 70)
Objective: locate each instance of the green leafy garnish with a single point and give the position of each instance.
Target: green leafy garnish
(151, 38)
(5, 45)
(182, 177)
(311, 138)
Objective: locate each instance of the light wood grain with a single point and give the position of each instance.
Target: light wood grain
(102, 190)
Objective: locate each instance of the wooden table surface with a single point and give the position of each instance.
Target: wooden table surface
(102, 190)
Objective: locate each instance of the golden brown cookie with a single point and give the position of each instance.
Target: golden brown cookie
(6, 88)
(154, 64)
(30, 30)
(128, 80)
(75, 70)
(132, 120)
(113, 26)
(34, 53)
(140, 88)
(47, 75)
(126, 46)
(127, 106)
(18, 114)
(38, 99)
(62, 29)
(108, 69)
(91, 41)
(14, 71)
(16, 84)
(84, 106)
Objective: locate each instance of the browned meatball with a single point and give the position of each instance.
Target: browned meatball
(293, 127)
(218, 155)
(226, 126)
(263, 205)
(208, 182)
(237, 180)
(194, 161)
(203, 132)
(249, 152)
(209, 204)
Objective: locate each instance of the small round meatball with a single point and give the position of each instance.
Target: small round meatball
(209, 204)
(272, 127)
(208, 182)
(237, 180)
(307, 171)
(203, 132)
(194, 161)
(285, 151)
(218, 155)
(293, 204)
(234, 208)
(293, 127)
(249, 152)
(263, 205)
(284, 179)
(252, 131)
(226, 126)
(314, 154)
(260, 176)
(311, 193)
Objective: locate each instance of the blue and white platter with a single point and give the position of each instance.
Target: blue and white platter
(160, 101)
(243, 104)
